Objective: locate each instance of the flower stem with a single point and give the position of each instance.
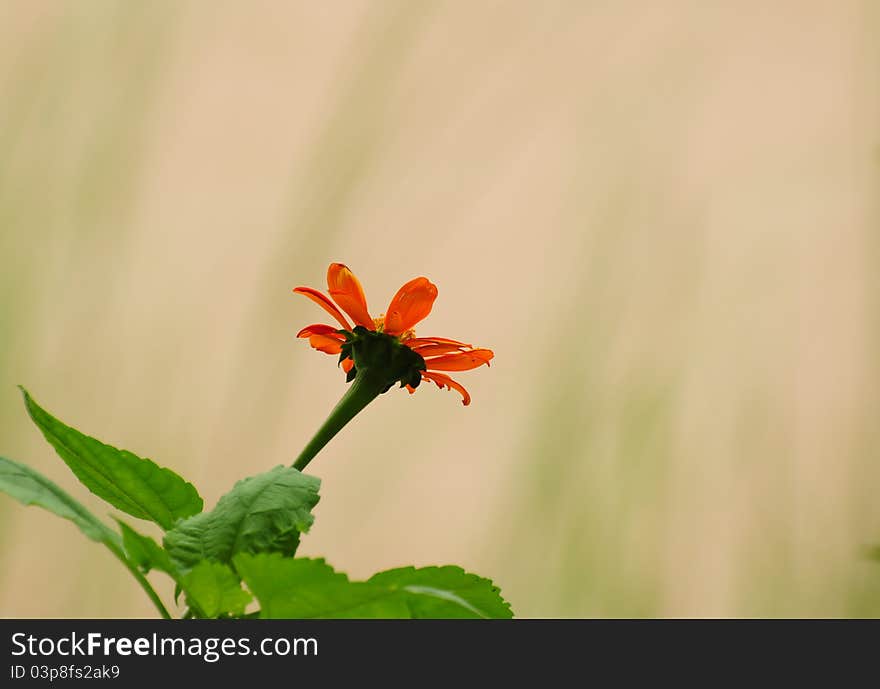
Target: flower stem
(367, 386)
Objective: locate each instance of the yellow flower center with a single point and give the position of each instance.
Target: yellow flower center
(379, 326)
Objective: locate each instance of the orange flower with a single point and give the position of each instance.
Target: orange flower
(410, 305)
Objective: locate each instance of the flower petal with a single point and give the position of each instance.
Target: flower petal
(443, 381)
(460, 361)
(410, 305)
(347, 365)
(326, 344)
(324, 303)
(345, 290)
(418, 341)
(434, 349)
(319, 329)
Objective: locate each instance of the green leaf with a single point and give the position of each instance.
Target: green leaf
(32, 488)
(263, 513)
(434, 592)
(215, 590)
(303, 588)
(211, 588)
(145, 552)
(134, 485)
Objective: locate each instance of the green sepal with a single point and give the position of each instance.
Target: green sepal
(382, 353)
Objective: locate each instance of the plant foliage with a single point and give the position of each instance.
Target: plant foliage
(237, 559)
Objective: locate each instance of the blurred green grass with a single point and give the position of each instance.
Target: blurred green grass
(662, 220)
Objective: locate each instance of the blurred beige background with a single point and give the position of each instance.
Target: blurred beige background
(661, 216)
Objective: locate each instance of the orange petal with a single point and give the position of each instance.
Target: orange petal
(418, 341)
(410, 305)
(443, 381)
(324, 303)
(434, 349)
(346, 290)
(347, 365)
(410, 389)
(318, 329)
(325, 343)
(460, 361)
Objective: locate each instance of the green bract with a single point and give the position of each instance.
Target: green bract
(382, 354)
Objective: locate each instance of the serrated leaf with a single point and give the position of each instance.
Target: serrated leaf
(32, 488)
(444, 592)
(214, 589)
(263, 513)
(130, 483)
(145, 552)
(303, 588)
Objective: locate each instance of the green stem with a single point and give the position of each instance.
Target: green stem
(141, 579)
(366, 387)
